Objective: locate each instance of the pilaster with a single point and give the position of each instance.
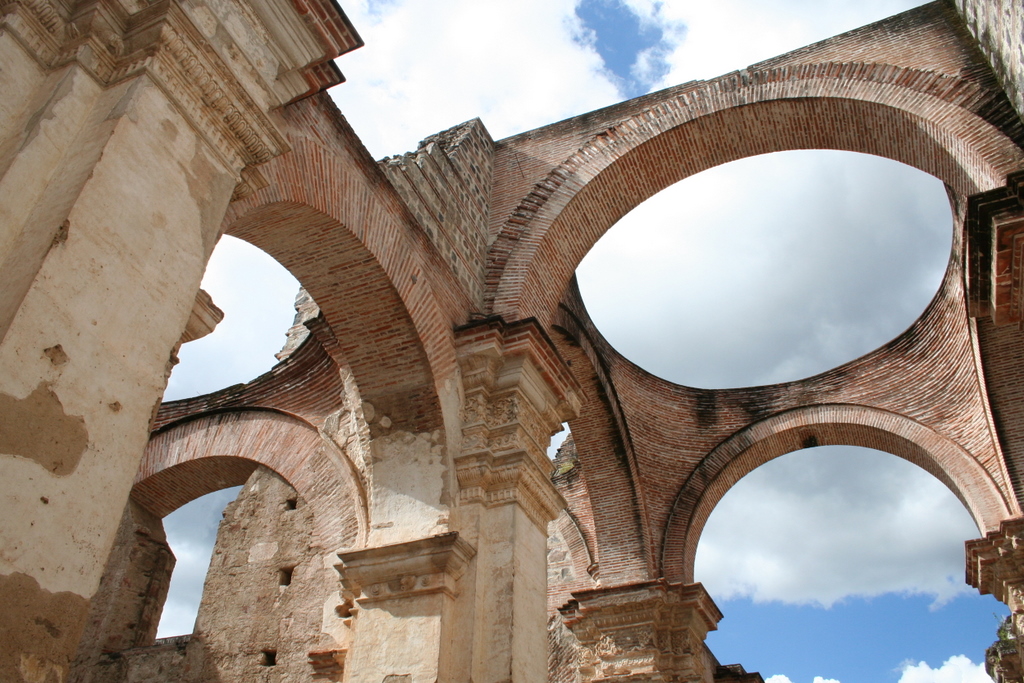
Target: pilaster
(995, 566)
(650, 632)
(518, 392)
(406, 594)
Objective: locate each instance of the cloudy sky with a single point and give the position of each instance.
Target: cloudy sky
(830, 565)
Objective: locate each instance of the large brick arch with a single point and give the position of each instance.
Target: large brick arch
(330, 217)
(924, 119)
(210, 452)
(376, 337)
(822, 425)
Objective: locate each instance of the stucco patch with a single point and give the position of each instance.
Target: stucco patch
(39, 630)
(36, 427)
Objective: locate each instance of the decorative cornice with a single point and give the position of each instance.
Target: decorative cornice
(653, 630)
(492, 481)
(518, 391)
(995, 253)
(426, 566)
(162, 42)
(995, 563)
(204, 318)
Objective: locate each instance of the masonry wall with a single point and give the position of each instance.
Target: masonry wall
(998, 27)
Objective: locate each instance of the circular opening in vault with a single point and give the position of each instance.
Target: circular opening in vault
(771, 268)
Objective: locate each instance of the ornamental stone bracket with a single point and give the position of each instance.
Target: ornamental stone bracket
(518, 392)
(652, 631)
(995, 253)
(995, 566)
(426, 566)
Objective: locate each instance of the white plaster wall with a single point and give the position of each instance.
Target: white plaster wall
(407, 482)
(115, 296)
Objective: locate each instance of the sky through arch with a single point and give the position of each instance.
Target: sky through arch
(414, 78)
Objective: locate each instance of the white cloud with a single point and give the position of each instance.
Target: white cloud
(428, 66)
(771, 268)
(726, 35)
(256, 294)
(779, 678)
(819, 525)
(956, 669)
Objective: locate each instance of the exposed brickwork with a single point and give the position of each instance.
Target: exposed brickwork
(307, 384)
(572, 561)
(330, 216)
(446, 184)
(955, 127)
(208, 453)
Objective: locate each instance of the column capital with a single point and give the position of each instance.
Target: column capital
(422, 567)
(225, 66)
(651, 631)
(995, 563)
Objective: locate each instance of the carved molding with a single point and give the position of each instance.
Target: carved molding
(518, 391)
(203, 320)
(425, 566)
(995, 253)
(161, 41)
(995, 565)
(652, 631)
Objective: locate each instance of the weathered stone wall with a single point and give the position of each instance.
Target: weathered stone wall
(446, 184)
(125, 611)
(271, 608)
(998, 27)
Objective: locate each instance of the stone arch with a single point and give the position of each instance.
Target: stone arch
(822, 425)
(209, 452)
(924, 119)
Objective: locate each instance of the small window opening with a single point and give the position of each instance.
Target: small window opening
(284, 576)
(291, 503)
(269, 658)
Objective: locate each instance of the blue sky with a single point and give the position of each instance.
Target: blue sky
(829, 565)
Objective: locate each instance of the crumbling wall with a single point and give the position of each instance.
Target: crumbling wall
(271, 608)
(125, 611)
(999, 29)
(446, 184)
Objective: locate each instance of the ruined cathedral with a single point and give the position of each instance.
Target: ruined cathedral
(400, 520)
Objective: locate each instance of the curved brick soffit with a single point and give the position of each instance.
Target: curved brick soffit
(206, 453)
(307, 385)
(620, 537)
(920, 118)
(823, 425)
(927, 376)
(329, 216)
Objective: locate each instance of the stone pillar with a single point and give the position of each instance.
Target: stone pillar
(517, 394)
(995, 566)
(646, 632)
(126, 127)
(405, 628)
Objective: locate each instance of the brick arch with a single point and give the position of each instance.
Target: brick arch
(376, 335)
(923, 119)
(327, 213)
(191, 458)
(822, 425)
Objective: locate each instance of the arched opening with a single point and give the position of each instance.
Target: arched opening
(771, 268)
(301, 501)
(258, 298)
(191, 533)
(840, 535)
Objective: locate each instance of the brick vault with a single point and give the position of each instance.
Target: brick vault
(400, 520)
